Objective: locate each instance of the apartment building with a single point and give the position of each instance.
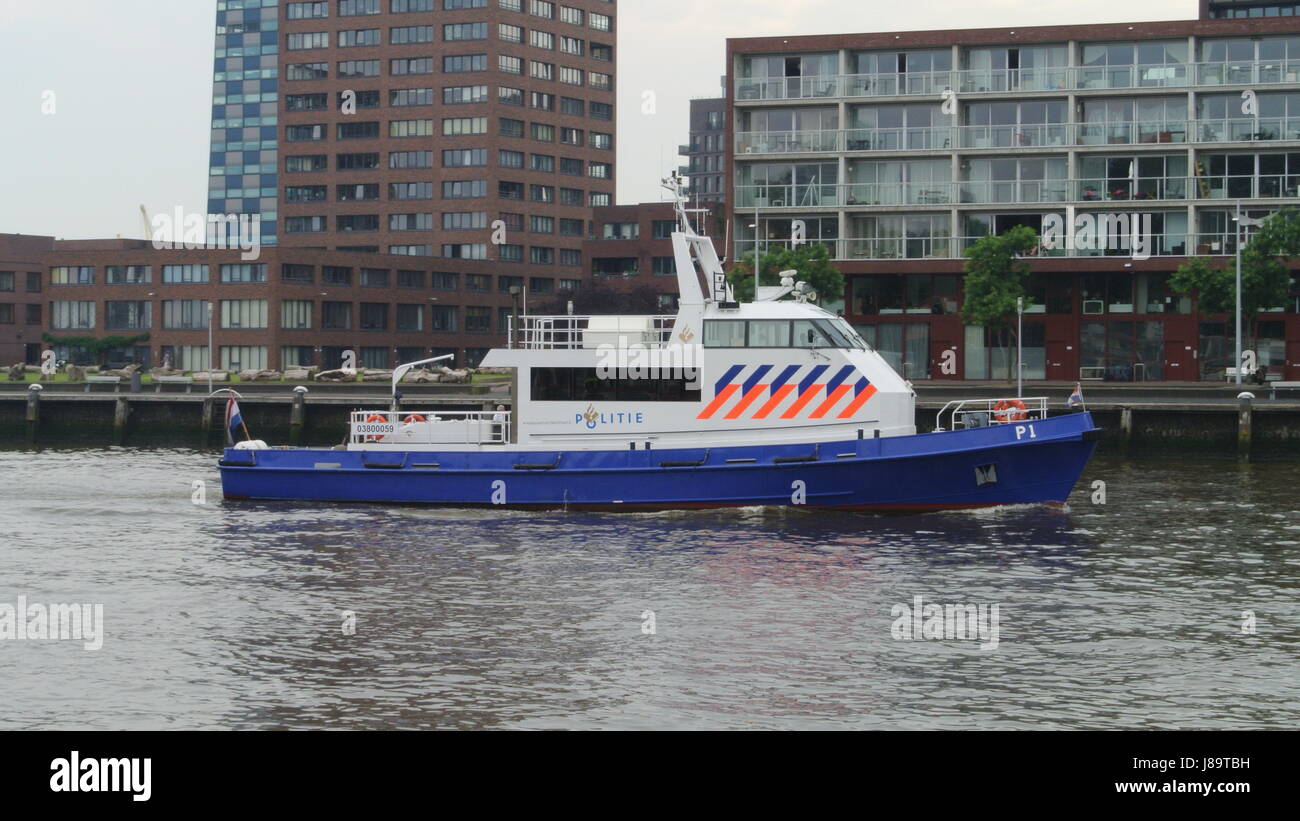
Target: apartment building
(899, 150)
(707, 151)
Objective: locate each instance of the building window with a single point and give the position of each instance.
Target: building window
(295, 314)
(72, 275)
(243, 314)
(374, 316)
(113, 275)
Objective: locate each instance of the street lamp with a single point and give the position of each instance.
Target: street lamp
(1242, 222)
(1020, 347)
(211, 350)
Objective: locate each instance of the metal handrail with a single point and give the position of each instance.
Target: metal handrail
(438, 428)
(960, 410)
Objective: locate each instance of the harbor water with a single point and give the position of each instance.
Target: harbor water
(1173, 604)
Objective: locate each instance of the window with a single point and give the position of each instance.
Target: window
(585, 385)
(185, 314)
(478, 282)
(410, 190)
(544, 163)
(571, 45)
(510, 65)
(297, 272)
(410, 279)
(410, 222)
(398, 98)
(572, 136)
(510, 253)
(410, 128)
(601, 170)
(295, 314)
(410, 317)
(568, 14)
(374, 278)
(352, 8)
(571, 227)
(406, 35)
(464, 220)
(358, 131)
(7, 281)
(184, 274)
(403, 6)
(600, 22)
(335, 275)
(543, 101)
(304, 133)
(602, 52)
(306, 102)
(355, 162)
(541, 8)
(358, 222)
(464, 157)
(543, 132)
(541, 193)
(410, 159)
(459, 63)
(336, 316)
(308, 162)
(573, 106)
(442, 281)
(307, 11)
(243, 313)
(127, 316)
(113, 275)
(600, 199)
(602, 141)
(621, 230)
(72, 316)
(509, 33)
(510, 159)
(541, 71)
(465, 251)
(374, 316)
(72, 275)
(541, 39)
(511, 128)
(306, 71)
(541, 225)
(358, 68)
(410, 65)
(247, 272)
(452, 32)
(478, 320)
(304, 225)
(464, 189)
(304, 193)
(571, 196)
(600, 80)
(541, 256)
(442, 319)
(602, 111)
(357, 37)
(460, 95)
(464, 126)
(571, 166)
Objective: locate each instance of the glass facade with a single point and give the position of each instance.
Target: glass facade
(242, 171)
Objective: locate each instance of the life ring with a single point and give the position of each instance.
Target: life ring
(1007, 411)
(371, 419)
(414, 419)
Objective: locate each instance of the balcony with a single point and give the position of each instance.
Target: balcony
(953, 248)
(1023, 80)
(1003, 137)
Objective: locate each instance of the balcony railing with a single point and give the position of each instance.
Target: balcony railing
(1051, 135)
(590, 332)
(946, 247)
(993, 81)
(1094, 189)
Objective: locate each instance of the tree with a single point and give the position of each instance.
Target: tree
(811, 260)
(1265, 277)
(995, 279)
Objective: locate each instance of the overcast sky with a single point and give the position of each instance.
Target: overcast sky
(132, 87)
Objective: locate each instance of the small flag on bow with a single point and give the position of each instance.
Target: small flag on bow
(234, 421)
(1076, 398)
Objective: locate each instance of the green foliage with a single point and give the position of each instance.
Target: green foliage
(995, 277)
(811, 260)
(96, 346)
(1265, 278)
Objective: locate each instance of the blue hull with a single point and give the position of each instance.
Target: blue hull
(1032, 462)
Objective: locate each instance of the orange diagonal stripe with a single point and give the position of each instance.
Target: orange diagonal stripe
(836, 395)
(857, 404)
(804, 399)
(718, 401)
(748, 400)
(778, 398)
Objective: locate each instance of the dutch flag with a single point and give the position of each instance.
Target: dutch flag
(1076, 398)
(234, 421)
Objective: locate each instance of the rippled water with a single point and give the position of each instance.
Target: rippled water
(228, 615)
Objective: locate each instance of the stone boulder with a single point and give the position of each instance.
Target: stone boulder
(217, 376)
(18, 373)
(421, 377)
(299, 375)
(125, 373)
(376, 375)
(76, 373)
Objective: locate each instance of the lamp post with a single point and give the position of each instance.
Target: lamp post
(1020, 347)
(211, 350)
(1241, 223)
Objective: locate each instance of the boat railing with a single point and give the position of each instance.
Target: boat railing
(981, 413)
(418, 427)
(568, 332)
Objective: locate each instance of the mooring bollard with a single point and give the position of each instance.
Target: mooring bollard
(121, 414)
(298, 416)
(1245, 410)
(207, 420)
(33, 416)
(1126, 423)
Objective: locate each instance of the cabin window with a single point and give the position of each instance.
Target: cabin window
(724, 334)
(769, 333)
(585, 385)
